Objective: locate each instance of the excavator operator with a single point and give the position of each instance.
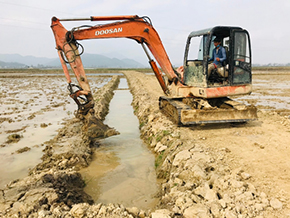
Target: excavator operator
(218, 57)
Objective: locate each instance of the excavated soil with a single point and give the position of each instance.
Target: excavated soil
(223, 170)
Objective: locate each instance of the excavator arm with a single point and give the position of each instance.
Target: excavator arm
(132, 27)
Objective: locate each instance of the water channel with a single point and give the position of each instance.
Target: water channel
(122, 170)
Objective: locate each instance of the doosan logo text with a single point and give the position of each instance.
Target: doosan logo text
(108, 31)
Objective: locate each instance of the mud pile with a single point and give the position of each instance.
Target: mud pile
(197, 179)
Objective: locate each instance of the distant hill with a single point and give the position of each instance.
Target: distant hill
(26, 60)
(11, 65)
(89, 61)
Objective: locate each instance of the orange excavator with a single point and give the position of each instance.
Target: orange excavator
(191, 95)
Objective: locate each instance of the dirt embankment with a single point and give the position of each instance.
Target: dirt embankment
(215, 171)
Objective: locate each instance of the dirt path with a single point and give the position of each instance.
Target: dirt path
(260, 148)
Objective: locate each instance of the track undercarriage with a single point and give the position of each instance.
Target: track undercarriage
(187, 111)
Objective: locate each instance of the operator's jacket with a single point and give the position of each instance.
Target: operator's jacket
(218, 53)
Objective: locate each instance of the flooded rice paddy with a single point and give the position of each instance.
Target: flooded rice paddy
(32, 110)
(274, 97)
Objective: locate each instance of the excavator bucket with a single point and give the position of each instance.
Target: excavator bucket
(94, 128)
(225, 110)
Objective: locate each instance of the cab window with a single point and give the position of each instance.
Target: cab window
(196, 49)
(241, 60)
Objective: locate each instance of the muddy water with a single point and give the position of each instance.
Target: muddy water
(123, 167)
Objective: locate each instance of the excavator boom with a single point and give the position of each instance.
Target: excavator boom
(132, 27)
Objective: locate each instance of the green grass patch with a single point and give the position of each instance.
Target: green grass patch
(162, 134)
(159, 159)
(136, 108)
(141, 125)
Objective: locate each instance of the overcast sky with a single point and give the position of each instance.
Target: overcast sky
(25, 25)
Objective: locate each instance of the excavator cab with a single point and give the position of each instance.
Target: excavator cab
(206, 95)
(235, 70)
